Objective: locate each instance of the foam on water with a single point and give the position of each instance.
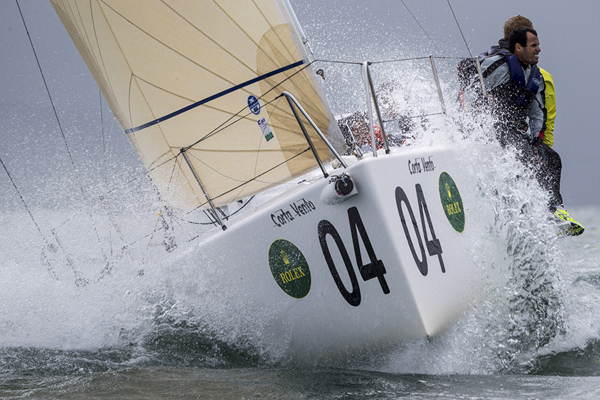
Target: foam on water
(537, 302)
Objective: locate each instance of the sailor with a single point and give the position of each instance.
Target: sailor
(516, 93)
(513, 84)
(548, 95)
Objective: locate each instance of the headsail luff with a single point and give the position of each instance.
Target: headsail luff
(180, 73)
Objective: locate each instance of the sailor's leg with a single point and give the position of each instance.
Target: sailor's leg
(553, 173)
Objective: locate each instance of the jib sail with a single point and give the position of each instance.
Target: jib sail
(204, 76)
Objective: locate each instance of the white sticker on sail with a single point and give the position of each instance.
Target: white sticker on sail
(264, 127)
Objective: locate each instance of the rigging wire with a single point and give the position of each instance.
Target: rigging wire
(227, 217)
(233, 119)
(226, 123)
(22, 199)
(256, 177)
(50, 268)
(51, 101)
(337, 62)
(459, 28)
(48, 92)
(104, 143)
(58, 122)
(421, 26)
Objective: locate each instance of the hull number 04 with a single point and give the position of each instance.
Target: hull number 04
(375, 268)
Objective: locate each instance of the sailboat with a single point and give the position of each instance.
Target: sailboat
(222, 103)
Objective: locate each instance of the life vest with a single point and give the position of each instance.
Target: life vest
(517, 75)
(511, 99)
(467, 73)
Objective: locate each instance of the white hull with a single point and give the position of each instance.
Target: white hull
(329, 317)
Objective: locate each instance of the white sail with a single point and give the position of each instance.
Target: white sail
(182, 74)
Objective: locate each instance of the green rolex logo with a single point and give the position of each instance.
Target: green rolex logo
(452, 202)
(289, 268)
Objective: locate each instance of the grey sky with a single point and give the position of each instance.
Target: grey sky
(353, 29)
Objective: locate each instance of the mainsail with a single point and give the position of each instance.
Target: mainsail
(204, 76)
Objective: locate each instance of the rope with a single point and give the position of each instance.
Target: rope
(151, 238)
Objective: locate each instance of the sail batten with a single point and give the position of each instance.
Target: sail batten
(204, 76)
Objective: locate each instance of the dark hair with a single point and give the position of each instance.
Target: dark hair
(519, 35)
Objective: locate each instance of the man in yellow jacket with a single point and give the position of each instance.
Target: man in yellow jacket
(550, 106)
(554, 161)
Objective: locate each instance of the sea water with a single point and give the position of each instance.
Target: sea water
(95, 341)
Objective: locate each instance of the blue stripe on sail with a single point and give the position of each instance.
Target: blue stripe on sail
(213, 97)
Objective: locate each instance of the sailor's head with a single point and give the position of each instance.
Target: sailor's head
(524, 43)
(514, 22)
